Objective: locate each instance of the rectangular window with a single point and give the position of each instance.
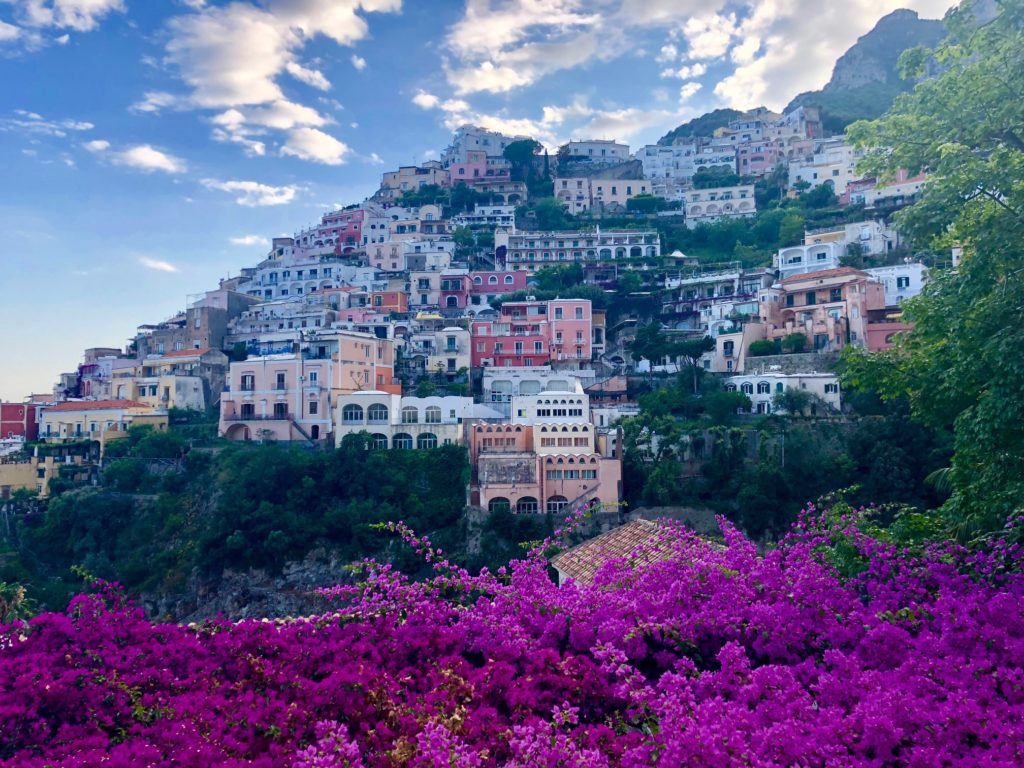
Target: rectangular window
(280, 410)
(558, 313)
(280, 383)
(314, 407)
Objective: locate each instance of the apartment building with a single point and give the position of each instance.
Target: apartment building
(396, 422)
(582, 194)
(762, 387)
(834, 163)
(99, 421)
(594, 151)
(530, 251)
(485, 287)
(535, 333)
(706, 206)
(412, 178)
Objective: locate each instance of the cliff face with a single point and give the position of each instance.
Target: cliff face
(866, 78)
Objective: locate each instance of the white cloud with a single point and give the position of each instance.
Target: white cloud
(253, 194)
(77, 15)
(33, 123)
(313, 77)
(375, 159)
(425, 100)
(668, 53)
(157, 264)
(8, 32)
(63, 39)
(146, 158)
(316, 146)
(688, 90)
(231, 57)
(708, 37)
(358, 62)
(97, 145)
(250, 240)
(782, 49)
(686, 72)
(154, 101)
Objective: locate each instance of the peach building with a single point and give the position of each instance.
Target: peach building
(281, 397)
(543, 468)
(829, 307)
(97, 420)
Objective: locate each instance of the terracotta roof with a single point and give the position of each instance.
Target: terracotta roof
(96, 405)
(584, 560)
(825, 273)
(186, 352)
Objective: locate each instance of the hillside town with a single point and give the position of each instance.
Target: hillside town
(415, 318)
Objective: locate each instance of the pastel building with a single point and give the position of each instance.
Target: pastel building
(543, 468)
(189, 379)
(900, 281)
(762, 387)
(412, 178)
(445, 350)
(487, 217)
(801, 259)
(19, 420)
(478, 166)
(501, 386)
(99, 421)
(757, 158)
(594, 151)
(485, 287)
(706, 206)
(831, 307)
(582, 194)
(396, 422)
(530, 251)
(833, 164)
(282, 397)
(534, 333)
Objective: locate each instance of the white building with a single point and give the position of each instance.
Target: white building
(582, 194)
(487, 217)
(901, 281)
(595, 151)
(551, 408)
(501, 385)
(873, 237)
(533, 250)
(706, 206)
(801, 259)
(446, 350)
(834, 163)
(394, 421)
(761, 388)
(472, 138)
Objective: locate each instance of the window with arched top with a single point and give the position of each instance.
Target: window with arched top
(377, 414)
(492, 280)
(509, 280)
(748, 388)
(556, 504)
(527, 505)
(352, 414)
(477, 280)
(426, 440)
(410, 415)
(763, 388)
(402, 441)
(378, 441)
(432, 415)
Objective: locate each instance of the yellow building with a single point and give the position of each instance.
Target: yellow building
(98, 420)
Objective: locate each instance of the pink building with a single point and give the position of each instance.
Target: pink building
(455, 287)
(542, 468)
(533, 333)
(478, 167)
(830, 307)
(757, 158)
(277, 398)
(19, 420)
(340, 230)
(486, 286)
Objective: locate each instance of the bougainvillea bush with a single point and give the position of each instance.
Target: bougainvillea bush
(714, 656)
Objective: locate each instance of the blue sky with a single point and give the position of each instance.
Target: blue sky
(150, 147)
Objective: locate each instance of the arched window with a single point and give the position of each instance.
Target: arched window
(426, 440)
(452, 301)
(477, 280)
(556, 504)
(377, 414)
(499, 503)
(402, 440)
(377, 440)
(352, 414)
(748, 388)
(509, 280)
(527, 505)
(433, 415)
(410, 415)
(492, 280)
(763, 388)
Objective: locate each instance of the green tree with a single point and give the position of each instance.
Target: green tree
(550, 214)
(520, 155)
(961, 366)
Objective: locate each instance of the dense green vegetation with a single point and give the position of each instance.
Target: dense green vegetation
(164, 512)
(962, 366)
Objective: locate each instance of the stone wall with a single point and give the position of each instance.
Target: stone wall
(805, 362)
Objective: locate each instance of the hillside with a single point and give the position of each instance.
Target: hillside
(704, 125)
(866, 78)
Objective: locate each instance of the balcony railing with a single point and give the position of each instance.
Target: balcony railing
(258, 417)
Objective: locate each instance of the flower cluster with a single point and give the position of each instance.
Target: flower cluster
(714, 656)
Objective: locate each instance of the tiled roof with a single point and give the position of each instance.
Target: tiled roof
(96, 405)
(836, 272)
(584, 560)
(186, 352)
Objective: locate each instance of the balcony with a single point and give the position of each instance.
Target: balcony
(257, 417)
